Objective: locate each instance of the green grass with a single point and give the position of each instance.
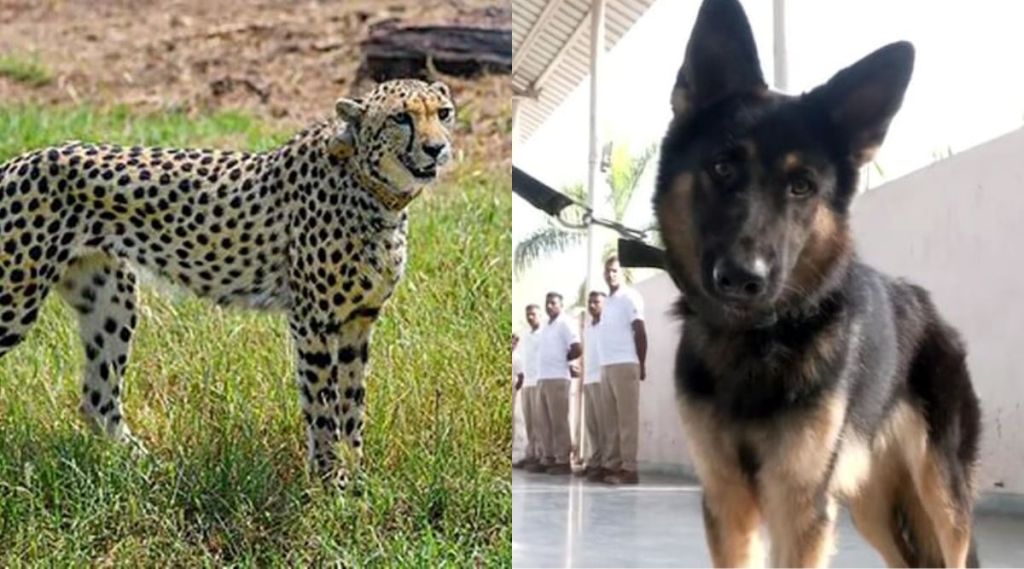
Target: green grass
(210, 392)
(27, 127)
(23, 69)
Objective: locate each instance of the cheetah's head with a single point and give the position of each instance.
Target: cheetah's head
(399, 134)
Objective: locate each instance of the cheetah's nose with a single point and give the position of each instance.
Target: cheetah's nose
(433, 150)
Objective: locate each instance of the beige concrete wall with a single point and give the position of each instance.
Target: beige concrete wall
(957, 228)
(661, 434)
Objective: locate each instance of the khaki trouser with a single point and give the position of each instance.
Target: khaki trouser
(531, 408)
(518, 425)
(555, 422)
(594, 413)
(621, 398)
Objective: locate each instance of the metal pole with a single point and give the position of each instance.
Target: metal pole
(779, 44)
(594, 186)
(594, 151)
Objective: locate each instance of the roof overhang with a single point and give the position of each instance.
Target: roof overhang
(551, 47)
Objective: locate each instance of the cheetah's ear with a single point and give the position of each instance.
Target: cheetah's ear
(442, 89)
(350, 110)
(343, 143)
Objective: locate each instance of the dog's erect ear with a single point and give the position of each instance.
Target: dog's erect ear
(721, 58)
(861, 100)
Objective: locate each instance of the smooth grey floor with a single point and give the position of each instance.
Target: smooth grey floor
(561, 521)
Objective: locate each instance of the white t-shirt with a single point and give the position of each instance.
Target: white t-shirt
(555, 339)
(592, 353)
(529, 342)
(616, 339)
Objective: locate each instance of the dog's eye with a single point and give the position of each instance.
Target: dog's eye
(801, 187)
(402, 118)
(723, 170)
(444, 113)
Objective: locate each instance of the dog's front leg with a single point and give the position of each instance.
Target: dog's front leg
(801, 525)
(731, 522)
(795, 485)
(732, 516)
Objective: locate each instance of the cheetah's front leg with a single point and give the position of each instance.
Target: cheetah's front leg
(330, 369)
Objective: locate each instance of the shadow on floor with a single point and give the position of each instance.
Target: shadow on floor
(558, 521)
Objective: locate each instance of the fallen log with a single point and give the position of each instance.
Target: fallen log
(459, 50)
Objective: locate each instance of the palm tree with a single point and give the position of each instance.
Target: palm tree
(551, 238)
(623, 180)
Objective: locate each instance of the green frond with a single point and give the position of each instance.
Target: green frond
(625, 177)
(577, 191)
(544, 242)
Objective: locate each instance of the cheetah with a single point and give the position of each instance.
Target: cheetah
(316, 229)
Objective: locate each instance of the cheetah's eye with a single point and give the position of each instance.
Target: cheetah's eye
(402, 118)
(444, 113)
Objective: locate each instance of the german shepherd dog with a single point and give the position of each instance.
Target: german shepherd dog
(805, 378)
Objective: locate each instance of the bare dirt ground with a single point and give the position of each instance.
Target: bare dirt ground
(285, 61)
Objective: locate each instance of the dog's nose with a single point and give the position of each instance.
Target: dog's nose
(746, 281)
(433, 150)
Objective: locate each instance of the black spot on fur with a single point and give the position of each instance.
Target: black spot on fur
(346, 355)
(316, 359)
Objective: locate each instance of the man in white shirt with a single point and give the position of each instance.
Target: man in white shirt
(531, 394)
(518, 424)
(593, 410)
(517, 364)
(559, 344)
(623, 348)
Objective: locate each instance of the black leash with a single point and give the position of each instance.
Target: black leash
(633, 250)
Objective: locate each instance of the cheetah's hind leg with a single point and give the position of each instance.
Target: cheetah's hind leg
(102, 290)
